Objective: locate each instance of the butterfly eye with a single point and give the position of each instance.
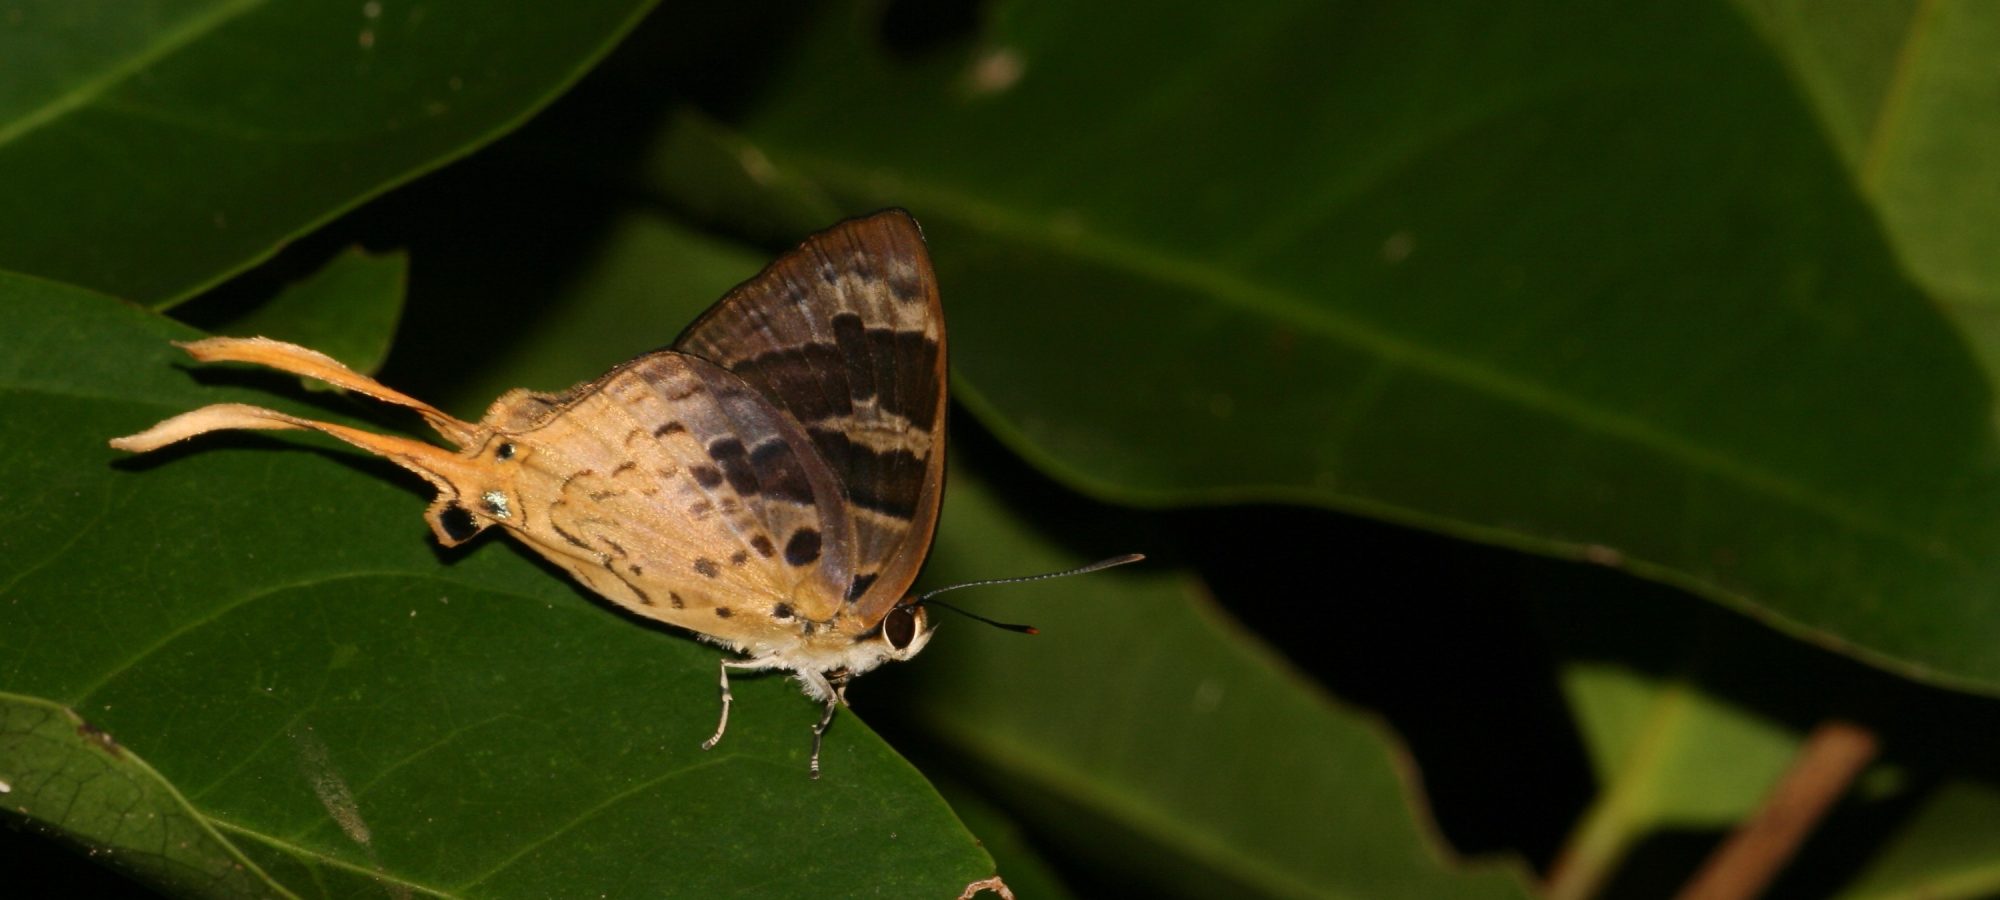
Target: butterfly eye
(899, 627)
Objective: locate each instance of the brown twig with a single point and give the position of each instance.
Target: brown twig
(1825, 766)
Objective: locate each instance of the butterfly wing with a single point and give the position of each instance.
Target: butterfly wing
(845, 335)
(674, 488)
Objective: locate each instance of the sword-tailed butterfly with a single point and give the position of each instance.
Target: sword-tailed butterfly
(770, 482)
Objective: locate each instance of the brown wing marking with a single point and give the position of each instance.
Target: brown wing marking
(846, 335)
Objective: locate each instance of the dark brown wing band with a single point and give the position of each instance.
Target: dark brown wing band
(846, 335)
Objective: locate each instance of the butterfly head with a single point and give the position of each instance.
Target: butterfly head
(904, 631)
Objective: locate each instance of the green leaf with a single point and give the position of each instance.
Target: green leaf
(347, 310)
(1905, 94)
(349, 706)
(1593, 285)
(1670, 755)
(1946, 851)
(58, 769)
(153, 151)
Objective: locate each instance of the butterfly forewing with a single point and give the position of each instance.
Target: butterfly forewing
(672, 487)
(846, 336)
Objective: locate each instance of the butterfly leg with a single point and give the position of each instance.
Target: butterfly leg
(835, 691)
(819, 731)
(723, 725)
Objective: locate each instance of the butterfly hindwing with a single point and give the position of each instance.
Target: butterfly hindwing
(676, 489)
(845, 335)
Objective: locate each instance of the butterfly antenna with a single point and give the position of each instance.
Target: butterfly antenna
(1023, 629)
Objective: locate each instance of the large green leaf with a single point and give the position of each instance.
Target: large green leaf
(1593, 282)
(349, 708)
(151, 149)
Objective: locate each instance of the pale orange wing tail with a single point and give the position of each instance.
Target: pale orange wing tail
(314, 364)
(448, 471)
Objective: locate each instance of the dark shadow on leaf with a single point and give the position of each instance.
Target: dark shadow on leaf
(913, 29)
(1434, 634)
(32, 856)
(1660, 864)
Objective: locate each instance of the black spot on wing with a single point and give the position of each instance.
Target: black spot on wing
(670, 428)
(707, 476)
(859, 586)
(707, 567)
(803, 548)
(458, 524)
(762, 545)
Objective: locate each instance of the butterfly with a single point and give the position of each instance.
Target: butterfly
(771, 481)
